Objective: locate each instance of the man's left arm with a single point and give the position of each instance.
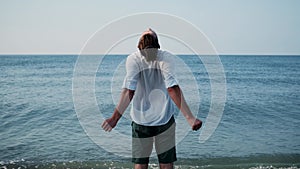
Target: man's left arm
(125, 99)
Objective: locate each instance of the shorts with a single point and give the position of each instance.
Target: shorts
(163, 138)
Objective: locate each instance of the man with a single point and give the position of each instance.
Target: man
(150, 82)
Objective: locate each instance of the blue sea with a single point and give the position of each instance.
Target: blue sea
(259, 128)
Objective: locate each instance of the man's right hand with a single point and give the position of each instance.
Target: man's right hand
(197, 124)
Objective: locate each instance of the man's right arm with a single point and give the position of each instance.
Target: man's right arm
(178, 98)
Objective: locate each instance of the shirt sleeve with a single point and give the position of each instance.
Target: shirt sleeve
(132, 73)
(168, 70)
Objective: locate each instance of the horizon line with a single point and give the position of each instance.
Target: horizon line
(221, 54)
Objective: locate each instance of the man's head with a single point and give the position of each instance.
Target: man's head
(148, 40)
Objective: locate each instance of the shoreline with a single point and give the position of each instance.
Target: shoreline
(282, 161)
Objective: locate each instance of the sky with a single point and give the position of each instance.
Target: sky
(232, 26)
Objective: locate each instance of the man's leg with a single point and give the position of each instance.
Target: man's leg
(165, 146)
(140, 166)
(142, 144)
(166, 166)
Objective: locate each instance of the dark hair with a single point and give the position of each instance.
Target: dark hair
(148, 41)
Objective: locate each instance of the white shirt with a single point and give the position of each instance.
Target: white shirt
(151, 104)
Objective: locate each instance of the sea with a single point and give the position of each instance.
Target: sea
(259, 126)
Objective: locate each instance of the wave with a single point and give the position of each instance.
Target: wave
(282, 161)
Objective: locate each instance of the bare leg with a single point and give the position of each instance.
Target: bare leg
(140, 166)
(166, 166)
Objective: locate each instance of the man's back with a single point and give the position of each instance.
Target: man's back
(150, 79)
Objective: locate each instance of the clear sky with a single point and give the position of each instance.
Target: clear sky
(233, 26)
